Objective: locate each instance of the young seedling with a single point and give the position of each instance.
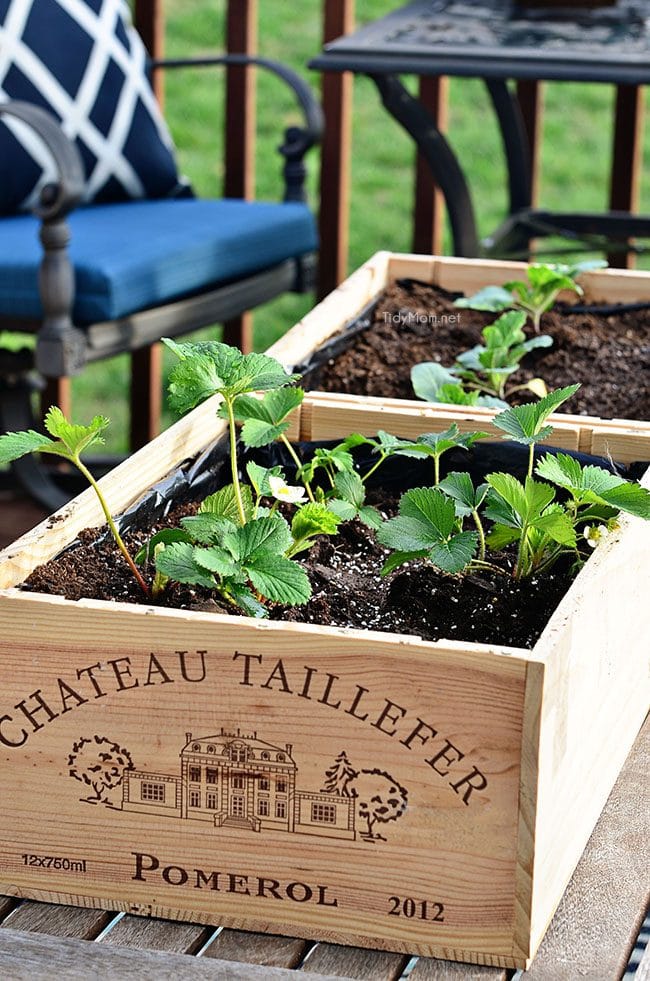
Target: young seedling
(434, 445)
(526, 424)
(536, 294)
(68, 441)
(212, 368)
(480, 375)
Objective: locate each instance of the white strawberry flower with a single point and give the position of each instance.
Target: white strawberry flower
(282, 491)
(594, 534)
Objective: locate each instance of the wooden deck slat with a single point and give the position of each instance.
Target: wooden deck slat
(432, 969)
(354, 962)
(594, 929)
(6, 906)
(164, 935)
(32, 957)
(57, 921)
(257, 948)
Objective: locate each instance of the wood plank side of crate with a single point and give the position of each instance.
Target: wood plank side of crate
(334, 417)
(444, 682)
(625, 441)
(121, 487)
(596, 696)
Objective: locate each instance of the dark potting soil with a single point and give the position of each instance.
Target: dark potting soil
(414, 322)
(348, 590)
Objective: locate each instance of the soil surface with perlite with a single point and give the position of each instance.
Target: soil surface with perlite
(414, 322)
(348, 590)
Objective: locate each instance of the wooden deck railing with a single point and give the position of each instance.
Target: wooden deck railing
(338, 17)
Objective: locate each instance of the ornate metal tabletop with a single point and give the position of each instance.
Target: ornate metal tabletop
(493, 39)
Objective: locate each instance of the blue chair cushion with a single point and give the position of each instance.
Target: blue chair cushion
(83, 61)
(135, 255)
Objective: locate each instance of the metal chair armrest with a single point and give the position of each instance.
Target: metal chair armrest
(60, 197)
(298, 139)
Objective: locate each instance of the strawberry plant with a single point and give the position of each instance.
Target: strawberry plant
(480, 375)
(68, 441)
(534, 516)
(534, 295)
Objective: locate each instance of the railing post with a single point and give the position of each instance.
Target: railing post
(336, 93)
(146, 364)
(429, 208)
(530, 94)
(241, 38)
(627, 152)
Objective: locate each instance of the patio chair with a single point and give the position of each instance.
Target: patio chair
(141, 257)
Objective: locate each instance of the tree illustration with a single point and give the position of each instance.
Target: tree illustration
(380, 799)
(339, 775)
(100, 763)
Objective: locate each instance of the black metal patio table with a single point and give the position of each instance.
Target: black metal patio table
(497, 41)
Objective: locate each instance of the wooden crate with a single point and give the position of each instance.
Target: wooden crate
(344, 304)
(205, 741)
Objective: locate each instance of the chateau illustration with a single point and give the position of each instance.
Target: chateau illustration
(239, 781)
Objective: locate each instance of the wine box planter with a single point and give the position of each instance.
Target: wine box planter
(199, 766)
(328, 322)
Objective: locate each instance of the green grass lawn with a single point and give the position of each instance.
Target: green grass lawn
(575, 162)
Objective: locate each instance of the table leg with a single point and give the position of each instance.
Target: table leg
(515, 143)
(443, 163)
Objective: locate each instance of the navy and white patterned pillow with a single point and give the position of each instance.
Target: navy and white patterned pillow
(82, 60)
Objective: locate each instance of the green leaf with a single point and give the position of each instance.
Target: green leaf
(456, 395)
(245, 600)
(177, 562)
(270, 534)
(527, 501)
(525, 423)
(210, 367)
(349, 486)
(192, 381)
(163, 537)
(511, 491)
(15, 445)
(223, 504)
(594, 484)
(208, 529)
(455, 554)
(257, 433)
(435, 444)
(557, 524)
(428, 377)
(216, 560)
(506, 330)
(259, 477)
(314, 519)
(399, 558)
(501, 535)
(273, 407)
(279, 579)
(431, 507)
(370, 516)
(459, 486)
(74, 437)
(491, 298)
(342, 509)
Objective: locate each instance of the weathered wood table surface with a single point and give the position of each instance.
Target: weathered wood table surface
(596, 931)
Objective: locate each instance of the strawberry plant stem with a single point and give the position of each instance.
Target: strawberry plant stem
(296, 459)
(233, 460)
(111, 524)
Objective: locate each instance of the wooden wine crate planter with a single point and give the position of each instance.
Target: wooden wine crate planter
(467, 276)
(205, 742)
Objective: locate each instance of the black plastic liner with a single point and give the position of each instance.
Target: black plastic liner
(197, 478)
